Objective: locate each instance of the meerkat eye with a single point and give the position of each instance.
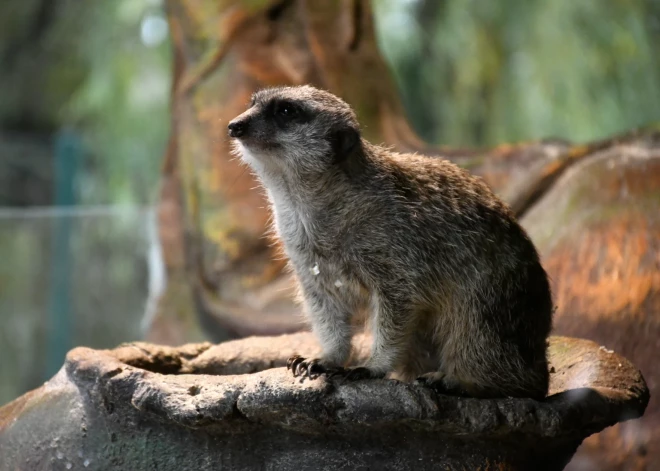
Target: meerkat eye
(286, 109)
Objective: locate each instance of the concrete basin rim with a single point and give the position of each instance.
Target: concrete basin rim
(225, 399)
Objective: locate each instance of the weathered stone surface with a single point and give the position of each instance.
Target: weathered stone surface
(234, 406)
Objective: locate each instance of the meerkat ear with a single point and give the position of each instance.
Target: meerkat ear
(344, 143)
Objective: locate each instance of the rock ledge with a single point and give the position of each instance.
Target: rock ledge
(235, 404)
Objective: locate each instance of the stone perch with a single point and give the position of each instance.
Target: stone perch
(234, 406)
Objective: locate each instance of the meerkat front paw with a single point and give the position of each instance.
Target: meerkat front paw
(315, 367)
(311, 368)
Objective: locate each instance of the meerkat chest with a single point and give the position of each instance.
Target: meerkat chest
(291, 228)
(315, 257)
(304, 233)
(330, 275)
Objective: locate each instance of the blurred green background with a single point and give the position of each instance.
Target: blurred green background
(478, 72)
(84, 118)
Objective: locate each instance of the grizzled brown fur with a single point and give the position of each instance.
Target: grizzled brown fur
(452, 285)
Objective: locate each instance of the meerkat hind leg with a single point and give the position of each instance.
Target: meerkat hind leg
(419, 357)
(439, 382)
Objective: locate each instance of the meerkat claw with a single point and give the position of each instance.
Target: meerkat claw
(310, 366)
(301, 366)
(293, 363)
(315, 369)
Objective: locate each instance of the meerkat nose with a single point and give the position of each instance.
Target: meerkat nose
(237, 128)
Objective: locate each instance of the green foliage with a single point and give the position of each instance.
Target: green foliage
(475, 72)
(122, 107)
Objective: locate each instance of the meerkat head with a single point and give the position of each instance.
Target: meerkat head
(295, 130)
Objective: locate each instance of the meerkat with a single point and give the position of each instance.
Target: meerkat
(453, 288)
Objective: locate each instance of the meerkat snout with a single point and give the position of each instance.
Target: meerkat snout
(237, 128)
(452, 284)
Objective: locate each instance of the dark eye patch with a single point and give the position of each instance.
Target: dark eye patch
(285, 109)
(285, 112)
